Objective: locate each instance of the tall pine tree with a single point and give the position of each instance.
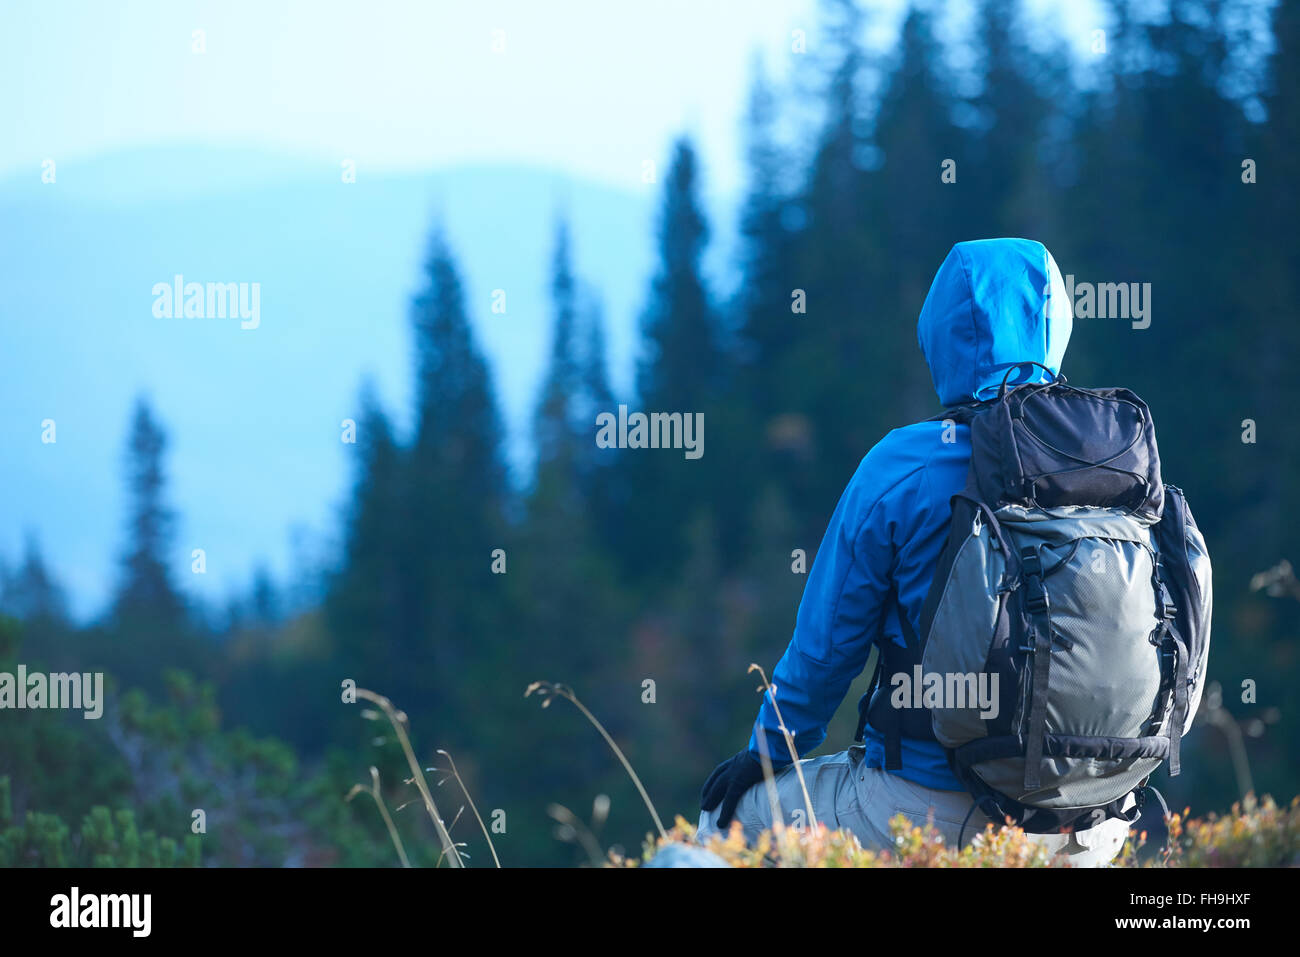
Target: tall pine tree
(456, 501)
(366, 600)
(682, 369)
(147, 592)
(149, 626)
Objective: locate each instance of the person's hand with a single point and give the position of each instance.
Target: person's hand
(729, 780)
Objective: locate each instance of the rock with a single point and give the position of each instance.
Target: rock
(685, 855)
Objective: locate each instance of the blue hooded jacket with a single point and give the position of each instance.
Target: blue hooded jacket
(994, 303)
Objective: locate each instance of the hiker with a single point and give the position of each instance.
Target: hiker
(1060, 654)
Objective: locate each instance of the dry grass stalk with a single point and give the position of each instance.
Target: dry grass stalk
(398, 721)
(770, 690)
(549, 691)
(378, 796)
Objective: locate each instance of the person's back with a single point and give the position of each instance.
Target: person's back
(994, 306)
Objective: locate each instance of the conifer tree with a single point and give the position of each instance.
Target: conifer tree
(147, 591)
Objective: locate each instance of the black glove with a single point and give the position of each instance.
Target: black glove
(729, 780)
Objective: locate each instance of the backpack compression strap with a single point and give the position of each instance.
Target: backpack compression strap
(891, 658)
(1040, 636)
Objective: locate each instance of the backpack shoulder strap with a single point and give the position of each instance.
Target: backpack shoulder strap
(962, 414)
(874, 706)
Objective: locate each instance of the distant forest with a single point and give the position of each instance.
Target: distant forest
(1168, 156)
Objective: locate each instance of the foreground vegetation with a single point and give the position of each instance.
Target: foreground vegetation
(649, 580)
(1256, 833)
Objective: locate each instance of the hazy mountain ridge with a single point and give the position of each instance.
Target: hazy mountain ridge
(254, 415)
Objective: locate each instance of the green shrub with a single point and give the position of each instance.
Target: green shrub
(107, 839)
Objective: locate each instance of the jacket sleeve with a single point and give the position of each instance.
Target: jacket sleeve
(839, 615)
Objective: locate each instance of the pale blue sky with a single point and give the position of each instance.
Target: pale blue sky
(224, 166)
(408, 85)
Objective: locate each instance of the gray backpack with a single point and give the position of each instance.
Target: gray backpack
(1064, 640)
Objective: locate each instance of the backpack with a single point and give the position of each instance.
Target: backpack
(1064, 638)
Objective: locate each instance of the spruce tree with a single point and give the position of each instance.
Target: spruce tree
(150, 633)
(455, 497)
(30, 592)
(682, 369)
(367, 601)
(147, 593)
(683, 361)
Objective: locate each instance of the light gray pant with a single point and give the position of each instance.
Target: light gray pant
(847, 793)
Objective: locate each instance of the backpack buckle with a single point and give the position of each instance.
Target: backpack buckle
(1167, 609)
(1031, 572)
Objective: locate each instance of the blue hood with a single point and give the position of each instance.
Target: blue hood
(993, 303)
